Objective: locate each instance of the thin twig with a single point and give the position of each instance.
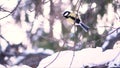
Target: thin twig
(53, 60)
(78, 3)
(2, 9)
(5, 39)
(12, 10)
(55, 57)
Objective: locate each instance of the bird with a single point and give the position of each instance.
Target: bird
(73, 19)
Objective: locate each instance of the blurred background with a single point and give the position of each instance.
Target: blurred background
(38, 26)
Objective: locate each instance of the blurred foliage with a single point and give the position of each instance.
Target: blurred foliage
(47, 12)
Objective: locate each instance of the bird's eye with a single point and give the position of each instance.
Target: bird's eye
(66, 14)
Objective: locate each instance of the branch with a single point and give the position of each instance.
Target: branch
(4, 39)
(113, 37)
(88, 57)
(12, 10)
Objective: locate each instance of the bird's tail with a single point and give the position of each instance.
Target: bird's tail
(84, 27)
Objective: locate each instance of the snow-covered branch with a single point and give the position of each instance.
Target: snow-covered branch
(90, 57)
(86, 57)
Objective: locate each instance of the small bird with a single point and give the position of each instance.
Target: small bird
(73, 18)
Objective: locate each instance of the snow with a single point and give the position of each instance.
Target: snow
(85, 57)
